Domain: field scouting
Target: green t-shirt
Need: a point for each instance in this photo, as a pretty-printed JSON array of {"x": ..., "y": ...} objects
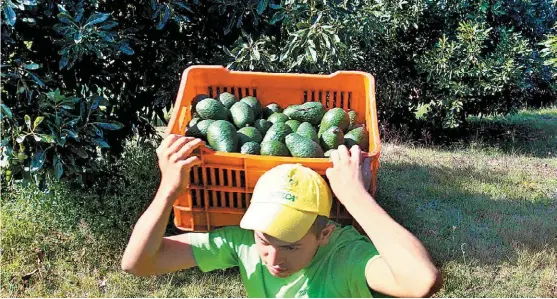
[{"x": 337, "y": 270}]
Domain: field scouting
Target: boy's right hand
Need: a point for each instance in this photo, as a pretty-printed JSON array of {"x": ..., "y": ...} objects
[{"x": 175, "y": 163}]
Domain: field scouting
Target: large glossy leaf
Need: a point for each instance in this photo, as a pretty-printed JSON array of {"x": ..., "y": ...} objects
[
  {"x": 58, "y": 167},
  {"x": 185, "y": 6},
  {"x": 100, "y": 142},
  {"x": 37, "y": 121},
  {"x": 96, "y": 18},
  {"x": 63, "y": 63},
  {"x": 28, "y": 121},
  {"x": 109, "y": 25},
  {"x": 9, "y": 15},
  {"x": 125, "y": 48},
  {"x": 163, "y": 18},
  {"x": 6, "y": 111},
  {"x": 77, "y": 37},
  {"x": 277, "y": 17},
  {"x": 261, "y": 6},
  {"x": 65, "y": 18},
  {"x": 31, "y": 66},
  {"x": 95, "y": 102},
  {"x": 37, "y": 162},
  {"x": 41, "y": 83},
  {"x": 45, "y": 138},
  {"x": 110, "y": 126}
]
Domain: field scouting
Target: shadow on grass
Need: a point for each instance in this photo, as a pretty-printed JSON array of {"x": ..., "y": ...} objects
[
  {"x": 529, "y": 133},
  {"x": 466, "y": 214}
]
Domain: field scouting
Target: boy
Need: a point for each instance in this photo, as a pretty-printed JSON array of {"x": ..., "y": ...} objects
[{"x": 285, "y": 245}]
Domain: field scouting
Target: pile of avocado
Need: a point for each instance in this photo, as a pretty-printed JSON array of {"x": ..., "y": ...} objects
[{"x": 305, "y": 131}]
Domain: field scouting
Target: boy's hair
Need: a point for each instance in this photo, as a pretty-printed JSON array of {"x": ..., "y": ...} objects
[{"x": 318, "y": 225}]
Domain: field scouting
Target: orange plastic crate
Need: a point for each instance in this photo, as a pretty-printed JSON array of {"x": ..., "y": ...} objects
[{"x": 220, "y": 189}]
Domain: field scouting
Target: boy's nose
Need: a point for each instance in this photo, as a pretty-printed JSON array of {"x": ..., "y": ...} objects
[{"x": 273, "y": 257}]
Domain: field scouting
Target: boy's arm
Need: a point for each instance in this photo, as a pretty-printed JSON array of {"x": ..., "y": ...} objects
[
  {"x": 404, "y": 268},
  {"x": 148, "y": 251}
]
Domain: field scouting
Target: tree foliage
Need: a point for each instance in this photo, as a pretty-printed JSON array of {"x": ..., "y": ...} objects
[{"x": 122, "y": 61}]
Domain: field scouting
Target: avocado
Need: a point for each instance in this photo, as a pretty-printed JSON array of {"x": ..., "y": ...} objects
[
  {"x": 306, "y": 129},
  {"x": 311, "y": 112},
  {"x": 227, "y": 99},
  {"x": 242, "y": 114},
  {"x": 357, "y": 136},
  {"x": 251, "y": 148},
  {"x": 222, "y": 136},
  {"x": 277, "y": 117},
  {"x": 277, "y": 132},
  {"x": 270, "y": 109},
  {"x": 211, "y": 109},
  {"x": 293, "y": 124},
  {"x": 196, "y": 100},
  {"x": 303, "y": 147},
  {"x": 263, "y": 125},
  {"x": 199, "y": 130},
  {"x": 274, "y": 148},
  {"x": 254, "y": 104},
  {"x": 247, "y": 134},
  {"x": 352, "y": 116},
  {"x": 332, "y": 138},
  {"x": 334, "y": 117}
]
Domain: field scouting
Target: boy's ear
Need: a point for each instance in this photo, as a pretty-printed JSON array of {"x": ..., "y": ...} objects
[{"x": 325, "y": 234}]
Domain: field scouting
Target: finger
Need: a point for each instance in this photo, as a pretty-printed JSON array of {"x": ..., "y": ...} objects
[
  {"x": 329, "y": 173},
  {"x": 190, "y": 162},
  {"x": 179, "y": 144},
  {"x": 188, "y": 148},
  {"x": 355, "y": 154},
  {"x": 343, "y": 154},
  {"x": 168, "y": 141},
  {"x": 334, "y": 158}
]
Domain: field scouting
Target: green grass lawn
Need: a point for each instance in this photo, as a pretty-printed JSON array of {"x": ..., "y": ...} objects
[{"x": 486, "y": 210}]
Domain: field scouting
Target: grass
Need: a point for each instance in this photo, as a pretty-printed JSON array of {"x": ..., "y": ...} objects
[{"x": 486, "y": 210}]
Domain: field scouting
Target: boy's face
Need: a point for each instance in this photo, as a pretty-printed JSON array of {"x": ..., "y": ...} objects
[{"x": 283, "y": 259}]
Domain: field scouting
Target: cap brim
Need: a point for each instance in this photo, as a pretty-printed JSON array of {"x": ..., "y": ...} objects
[{"x": 278, "y": 221}]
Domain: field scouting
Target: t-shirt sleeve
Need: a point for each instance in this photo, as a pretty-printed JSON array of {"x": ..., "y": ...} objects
[
  {"x": 216, "y": 249},
  {"x": 357, "y": 256}
]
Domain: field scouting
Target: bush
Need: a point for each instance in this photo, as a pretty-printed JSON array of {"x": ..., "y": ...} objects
[{"x": 450, "y": 59}]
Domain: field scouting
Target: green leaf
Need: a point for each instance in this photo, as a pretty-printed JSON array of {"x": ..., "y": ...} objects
[
  {"x": 110, "y": 126},
  {"x": 313, "y": 54},
  {"x": 6, "y": 111},
  {"x": 125, "y": 48},
  {"x": 58, "y": 167},
  {"x": 261, "y": 6},
  {"x": 63, "y": 63},
  {"x": 41, "y": 84},
  {"x": 95, "y": 102},
  {"x": 100, "y": 142},
  {"x": 109, "y": 25},
  {"x": 96, "y": 18},
  {"x": 20, "y": 138},
  {"x": 185, "y": 6},
  {"x": 9, "y": 15},
  {"x": 31, "y": 66},
  {"x": 277, "y": 17},
  {"x": 37, "y": 121},
  {"x": 37, "y": 162},
  {"x": 65, "y": 18},
  {"x": 28, "y": 121},
  {"x": 46, "y": 138},
  {"x": 77, "y": 37}
]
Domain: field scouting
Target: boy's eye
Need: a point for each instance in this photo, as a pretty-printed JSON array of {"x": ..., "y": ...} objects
[{"x": 289, "y": 247}]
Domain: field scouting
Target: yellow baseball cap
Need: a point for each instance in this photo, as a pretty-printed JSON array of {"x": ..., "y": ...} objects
[{"x": 285, "y": 202}]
